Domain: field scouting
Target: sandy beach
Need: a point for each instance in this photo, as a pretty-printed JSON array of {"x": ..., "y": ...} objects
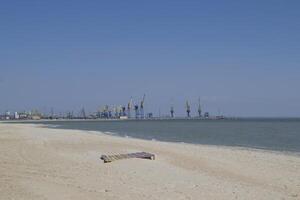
[{"x": 43, "y": 163}]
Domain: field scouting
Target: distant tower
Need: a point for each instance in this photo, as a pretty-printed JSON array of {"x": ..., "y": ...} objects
[
  {"x": 188, "y": 109},
  {"x": 172, "y": 111},
  {"x": 142, "y": 107},
  {"x": 199, "y": 109}
]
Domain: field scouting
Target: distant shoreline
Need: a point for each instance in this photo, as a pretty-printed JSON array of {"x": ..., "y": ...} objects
[{"x": 160, "y": 119}]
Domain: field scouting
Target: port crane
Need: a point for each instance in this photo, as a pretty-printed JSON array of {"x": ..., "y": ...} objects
[
  {"x": 172, "y": 111},
  {"x": 188, "y": 109},
  {"x": 136, "y": 109},
  {"x": 199, "y": 108},
  {"x": 123, "y": 110},
  {"x": 142, "y": 107},
  {"x": 129, "y": 107}
]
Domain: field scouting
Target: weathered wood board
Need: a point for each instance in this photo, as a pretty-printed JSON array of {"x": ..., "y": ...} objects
[{"x": 143, "y": 155}]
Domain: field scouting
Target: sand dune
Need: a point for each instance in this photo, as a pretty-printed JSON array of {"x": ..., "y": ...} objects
[{"x": 42, "y": 163}]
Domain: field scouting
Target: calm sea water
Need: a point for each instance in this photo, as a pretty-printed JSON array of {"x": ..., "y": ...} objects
[{"x": 271, "y": 134}]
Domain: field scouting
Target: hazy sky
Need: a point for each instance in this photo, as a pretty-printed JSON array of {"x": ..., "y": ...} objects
[{"x": 241, "y": 57}]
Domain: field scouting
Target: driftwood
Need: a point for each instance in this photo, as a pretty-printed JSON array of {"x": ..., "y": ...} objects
[{"x": 143, "y": 155}]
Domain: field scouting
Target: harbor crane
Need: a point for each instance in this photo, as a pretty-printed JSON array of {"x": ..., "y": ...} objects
[
  {"x": 188, "y": 109},
  {"x": 142, "y": 107},
  {"x": 129, "y": 107},
  {"x": 199, "y": 108},
  {"x": 172, "y": 111},
  {"x": 123, "y": 110},
  {"x": 136, "y": 109}
]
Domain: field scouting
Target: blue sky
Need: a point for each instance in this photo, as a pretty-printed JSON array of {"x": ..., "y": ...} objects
[{"x": 240, "y": 57}]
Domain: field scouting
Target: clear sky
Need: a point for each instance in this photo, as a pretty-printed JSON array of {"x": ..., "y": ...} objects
[{"x": 241, "y": 57}]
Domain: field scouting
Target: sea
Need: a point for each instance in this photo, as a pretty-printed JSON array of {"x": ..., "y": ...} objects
[{"x": 259, "y": 133}]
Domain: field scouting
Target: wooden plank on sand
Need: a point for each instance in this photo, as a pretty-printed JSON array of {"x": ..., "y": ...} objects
[{"x": 143, "y": 155}]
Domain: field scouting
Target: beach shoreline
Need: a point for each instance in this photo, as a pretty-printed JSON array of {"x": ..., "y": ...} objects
[{"x": 43, "y": 163}]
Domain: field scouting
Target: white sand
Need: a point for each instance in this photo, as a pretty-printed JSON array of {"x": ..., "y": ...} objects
[{"x": 42, "y": 163}]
